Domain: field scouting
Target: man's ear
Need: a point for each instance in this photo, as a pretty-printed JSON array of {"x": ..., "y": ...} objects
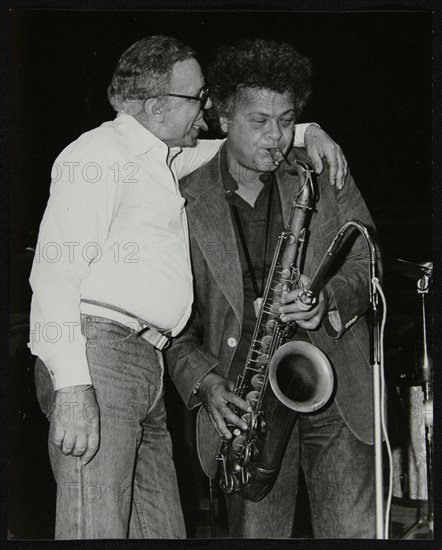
[
  {"x": 155, "y": 109},
  {"x": 224, "y": 124}
]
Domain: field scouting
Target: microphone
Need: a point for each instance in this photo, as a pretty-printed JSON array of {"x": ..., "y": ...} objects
[{"x": 308, "y": 296}]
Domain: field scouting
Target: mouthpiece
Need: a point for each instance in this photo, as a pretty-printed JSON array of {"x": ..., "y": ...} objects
[
  {"x": 277, "y": 155},
  {"x": 290, "y": 167}
]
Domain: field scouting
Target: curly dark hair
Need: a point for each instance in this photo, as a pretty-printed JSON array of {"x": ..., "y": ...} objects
[
  {"x": 259, "y": 64},
  {"x": 145, "y": 68}
]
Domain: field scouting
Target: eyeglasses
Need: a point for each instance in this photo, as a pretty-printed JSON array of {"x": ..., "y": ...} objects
[{"x": 202, "y": 97}]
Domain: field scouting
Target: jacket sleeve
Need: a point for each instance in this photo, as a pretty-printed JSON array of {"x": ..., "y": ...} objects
[
  {"x": 350, "y": 282},
  {"x": 188, "y": 360}
]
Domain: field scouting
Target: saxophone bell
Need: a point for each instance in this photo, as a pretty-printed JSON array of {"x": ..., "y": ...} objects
[{"x": 301, "y": 376}]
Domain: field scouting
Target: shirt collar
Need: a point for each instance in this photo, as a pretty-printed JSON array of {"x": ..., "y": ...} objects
[{"x": 138, "y": 138}]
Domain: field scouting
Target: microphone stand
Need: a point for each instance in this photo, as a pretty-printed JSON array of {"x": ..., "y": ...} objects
[
  {"x": 308, "y": 295},
  {"x": 425, "y": 374},
  {"x": 423, "y": 286},
  {"x": 377, "y": 409},
  {"x": 376, "y": 355}
]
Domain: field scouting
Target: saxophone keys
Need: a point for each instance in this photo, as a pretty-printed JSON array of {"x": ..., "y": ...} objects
[
  {"x": 277, "y": 288},
  {"x": 246, "y": 477},
  {"x": 227, "y": 484},
  {"x": 246, "y": 456},
  {"x": 252, "y": 422},
  {"x": 238, "y": 443},
  {"x": 258, "y": 379},
  {"x": 252, "y": 398},
  {"x": 290, "y": 238},
  {"x": 261, "y": 362},
  {"x": 236, "y": 468},
  {"x": 265, "y": 343}
]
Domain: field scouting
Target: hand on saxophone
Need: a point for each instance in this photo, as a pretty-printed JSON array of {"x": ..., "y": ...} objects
[
  {"x": 306, "y": 317},
  {"x": 216, "y": 393}
]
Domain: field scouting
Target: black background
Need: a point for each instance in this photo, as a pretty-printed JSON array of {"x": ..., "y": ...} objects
[{"x": 372, "y": 94}]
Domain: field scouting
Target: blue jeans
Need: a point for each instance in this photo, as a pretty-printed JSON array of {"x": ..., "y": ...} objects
[
  {"x": 339, "y": 473},
  {"x": 129, "y": 489}
]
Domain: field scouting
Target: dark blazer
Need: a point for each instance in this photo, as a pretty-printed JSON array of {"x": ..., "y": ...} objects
[{"x": 210, "y": 339}]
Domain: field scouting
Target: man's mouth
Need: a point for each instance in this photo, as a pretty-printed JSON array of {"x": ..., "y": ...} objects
[
  {"x": 200, "y": 124},
  {"x": 268, "y": 154}
]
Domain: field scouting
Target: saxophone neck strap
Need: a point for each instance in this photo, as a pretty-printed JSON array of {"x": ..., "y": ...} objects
[{"x": 240, "y": 230}]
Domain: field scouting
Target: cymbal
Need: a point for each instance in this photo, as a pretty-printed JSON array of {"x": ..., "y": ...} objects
[{"x": 409, "y": 269}]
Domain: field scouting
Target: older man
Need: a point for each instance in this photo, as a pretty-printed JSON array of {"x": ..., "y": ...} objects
[
  {"x": 237, "y": 207},
  {"x": 111, "y": 284}
]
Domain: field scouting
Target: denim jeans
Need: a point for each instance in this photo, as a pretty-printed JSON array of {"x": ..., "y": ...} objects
[
  {"x": 129, "y": 489},
  {"x": 339, "y": 473}
]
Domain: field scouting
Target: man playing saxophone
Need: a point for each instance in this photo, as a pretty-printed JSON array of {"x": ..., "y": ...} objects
[{"x": 237, "y": 206}]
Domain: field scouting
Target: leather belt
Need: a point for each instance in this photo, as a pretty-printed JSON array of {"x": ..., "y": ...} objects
[{"x": 149, "y": 333}]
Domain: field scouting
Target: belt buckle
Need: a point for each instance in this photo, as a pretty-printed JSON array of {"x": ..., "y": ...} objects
[
  {"x": 157, "y": 339},
  {"x": 163, "y": 343}
]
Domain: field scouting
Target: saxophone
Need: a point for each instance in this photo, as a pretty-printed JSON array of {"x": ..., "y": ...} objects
[{"x": 281, "y": 378}]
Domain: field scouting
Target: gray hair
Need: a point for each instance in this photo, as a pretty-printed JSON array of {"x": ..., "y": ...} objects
[{"x": 144, "y": 70}]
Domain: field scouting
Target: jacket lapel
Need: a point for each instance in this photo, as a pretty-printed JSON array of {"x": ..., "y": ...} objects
[{"x": 211, "y": 226}]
